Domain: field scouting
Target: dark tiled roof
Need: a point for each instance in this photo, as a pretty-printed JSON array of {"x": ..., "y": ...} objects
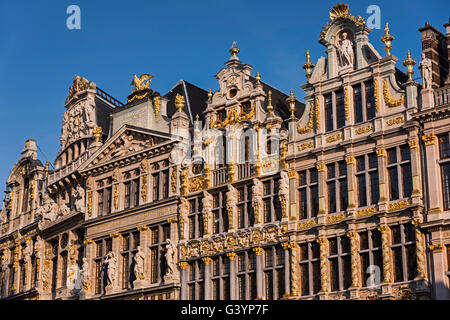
[
  {"x": 279, "y": 103},
  {"x": 194, "y": 96}
]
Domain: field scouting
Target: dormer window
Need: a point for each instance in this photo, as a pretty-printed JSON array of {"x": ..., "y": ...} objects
[{"x": 246, "y": 107}]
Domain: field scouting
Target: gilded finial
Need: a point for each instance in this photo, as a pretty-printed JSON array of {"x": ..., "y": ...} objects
[
  {"x": 409, "y": 63},
  {"x": 234, "y": 49},
  {"x": 258, "y": 77},
  {"x": 210, "y": 95},
  {"x": 291, "y": 100},
  {"x": 270, "y": 107},
  {"x": 387, "y": 39},
  {"x": 47, "y": 165},
  {"x": 179, "y": 102},
  {"x": 308, "y": 66}
]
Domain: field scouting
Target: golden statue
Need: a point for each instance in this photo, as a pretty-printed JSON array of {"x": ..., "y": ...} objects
[{"x": 141, "y": 83}]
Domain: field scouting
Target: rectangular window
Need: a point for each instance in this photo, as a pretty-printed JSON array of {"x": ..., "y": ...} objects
[
  {"x": 370, "y": 100},
  {"x": 100, "y": 202},
  {"x": 127, "y": 186},
  {"x": 328, "y": 112},
  {"x": 136, "y": 192},
  {"x": 165, "y": 177},
  {"x": 357, "y": 102},
  {"x": 108, "y": 200},
  {"x": 155, "y": 178},
  {"x": 340, "y": 109}
]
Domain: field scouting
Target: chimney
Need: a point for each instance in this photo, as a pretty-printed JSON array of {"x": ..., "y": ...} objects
[
  {"x": 434, "y": 45},
  {"x": 30, "y": 149},
  {"x": 447, "y": 34}
]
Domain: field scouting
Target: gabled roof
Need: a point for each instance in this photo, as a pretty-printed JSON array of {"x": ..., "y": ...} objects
[{"x": 143, "y": 139}]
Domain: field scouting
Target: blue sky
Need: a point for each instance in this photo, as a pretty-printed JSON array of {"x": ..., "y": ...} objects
[{"x": 171, "y": 40}]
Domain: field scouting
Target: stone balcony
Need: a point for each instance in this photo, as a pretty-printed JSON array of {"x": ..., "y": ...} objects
[
  {"x": 441, "y": 96},
  {"x": 67, "y": 169}
]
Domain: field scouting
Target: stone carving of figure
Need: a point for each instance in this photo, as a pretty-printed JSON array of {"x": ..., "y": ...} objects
[
  {"x": 346, "y": 51},
  {"x": 28, "y": 251},
  {"x": 79, "y": 199},
  {"x": 231, "y": 203},
  {"x": 63, "y": 210},
  {"x": 126, "y": 146},
  {"x": 49, "y": 209},
  {"x": 170, "y": 256},
  {"x": 139, "y": 259},
  {"x": 426, "y": 68},
  {"x": 111, "y": 267},
  {"x": 38, "y": 246},
  {"x": 84, "y": 273},
  {"x": 257, "y": 189},
  {"x": 284, "y": 184}
]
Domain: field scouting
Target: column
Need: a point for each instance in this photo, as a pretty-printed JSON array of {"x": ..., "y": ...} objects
[
  {"x": 386, "y": 252},
  {"x": 86, "y": 285},
  {"x": 420, "y": 250},
  {"x": 355, "y": 262},
  {"x": 415, "y": 168},
  {"x": 144, "y": 242},
  {"x": 16, "y": 267},
  {"x": 259, "y": 274},
  {"x": 207, "y": 279},
  {"x": 294, "y": 269},
  {"x": 441, "y": 281},
  {"x": 233, "y": 278},
  {"x": 184, "y": 275},
  {"x": 382, "y": 177},
  {"x": 323, "y": 242},
  {"x": 433, "y": 174},
  {"x": 116, "y": 237},
  {"x": 322, "y": 189},
  {"x": 287, "y": 269},
  {"x": 351, "y": 182},
  {"x": 292, "y": 207}
]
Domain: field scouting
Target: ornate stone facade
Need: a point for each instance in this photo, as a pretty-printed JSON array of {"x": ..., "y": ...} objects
[{"x": 244, "y": 192}]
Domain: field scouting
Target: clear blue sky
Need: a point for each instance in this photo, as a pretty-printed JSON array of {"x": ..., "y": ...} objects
[{"x": 171, "y": 40}]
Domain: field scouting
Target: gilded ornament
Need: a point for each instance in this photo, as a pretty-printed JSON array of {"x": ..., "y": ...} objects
[
  {"x": 206, "y": 260},
  {"x": 97, "y": 131},
  {"x": 362, "y": 130},
  {"x": 380, "y": 152},
  {"x": 306, "y": 224},
  {"x": 308, "y": 66},
  {"x": 257, "y": 251},
  {"x": 157, "y": 106},
  {"x": 233, "y": 117},
  {"x": 387, "y": 96},
  {"x": 376, "y": 95},
  {"x": 435, "y": 248},
  {"x": 387, "y": 39},
  {"x": 197, "y": 183},
  {"x": 365, "y": 212},
  {"x": 183, "y": 265},
  {"x": 310, "y": 123},
  {"x": 306, "y": 145},
  {"x": 350, "y": 160},
  {"x": 291, "y": 100},
  {"x": 395, "y": 121},
  {"x": 142, "y": 228},
  {"x": 336, "y": 218},
  {"x": 409, "y": 64},
  {"x": 413, "y": 143},
  {"x": 231, "y": 255},
  {"x": 179, "y": 102},
  {"x": 429, "y": 139},
  {"x": 116, "y": 196},
  {"x": 144, "y": 188},
  {"x": 334, "y": 138},
  {"x": 398, "y": 205}
]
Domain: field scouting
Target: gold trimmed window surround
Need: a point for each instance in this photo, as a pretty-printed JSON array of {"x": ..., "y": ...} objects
[
  {"x": 233, "y": 117},
  {"x": 392, "y": 103}
]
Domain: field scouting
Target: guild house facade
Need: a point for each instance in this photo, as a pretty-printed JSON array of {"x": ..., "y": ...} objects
[{"x": 244, "y": 192}]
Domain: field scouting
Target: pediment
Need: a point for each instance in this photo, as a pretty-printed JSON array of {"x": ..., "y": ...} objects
[{"x": 126, "y": 142}]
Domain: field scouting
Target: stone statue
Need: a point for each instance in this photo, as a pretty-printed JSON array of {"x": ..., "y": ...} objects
[
  {"x": 427, "y": 74},
  {"x": 257, "y": 189},
  {"x": 170, "y": 256},
  {"x": 345, "y": 49},
  {"x": 38, "y": 246},
  {"x": 63, "y": 210},
  {"x": 28, "y": 251},
  {"x": 284, "y": 184},
  {"x": 79, "y": 199},
  {"x": 49, "y": 209},
  {"x": 111, "y": 265},
  {"x": 84, "y": 274},
  {"x": 139, "y": 259}
]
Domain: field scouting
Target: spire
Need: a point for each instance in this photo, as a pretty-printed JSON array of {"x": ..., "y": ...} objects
[
  {"x": 270, "y": 107},
  {"x": 308, "y": 66}
]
